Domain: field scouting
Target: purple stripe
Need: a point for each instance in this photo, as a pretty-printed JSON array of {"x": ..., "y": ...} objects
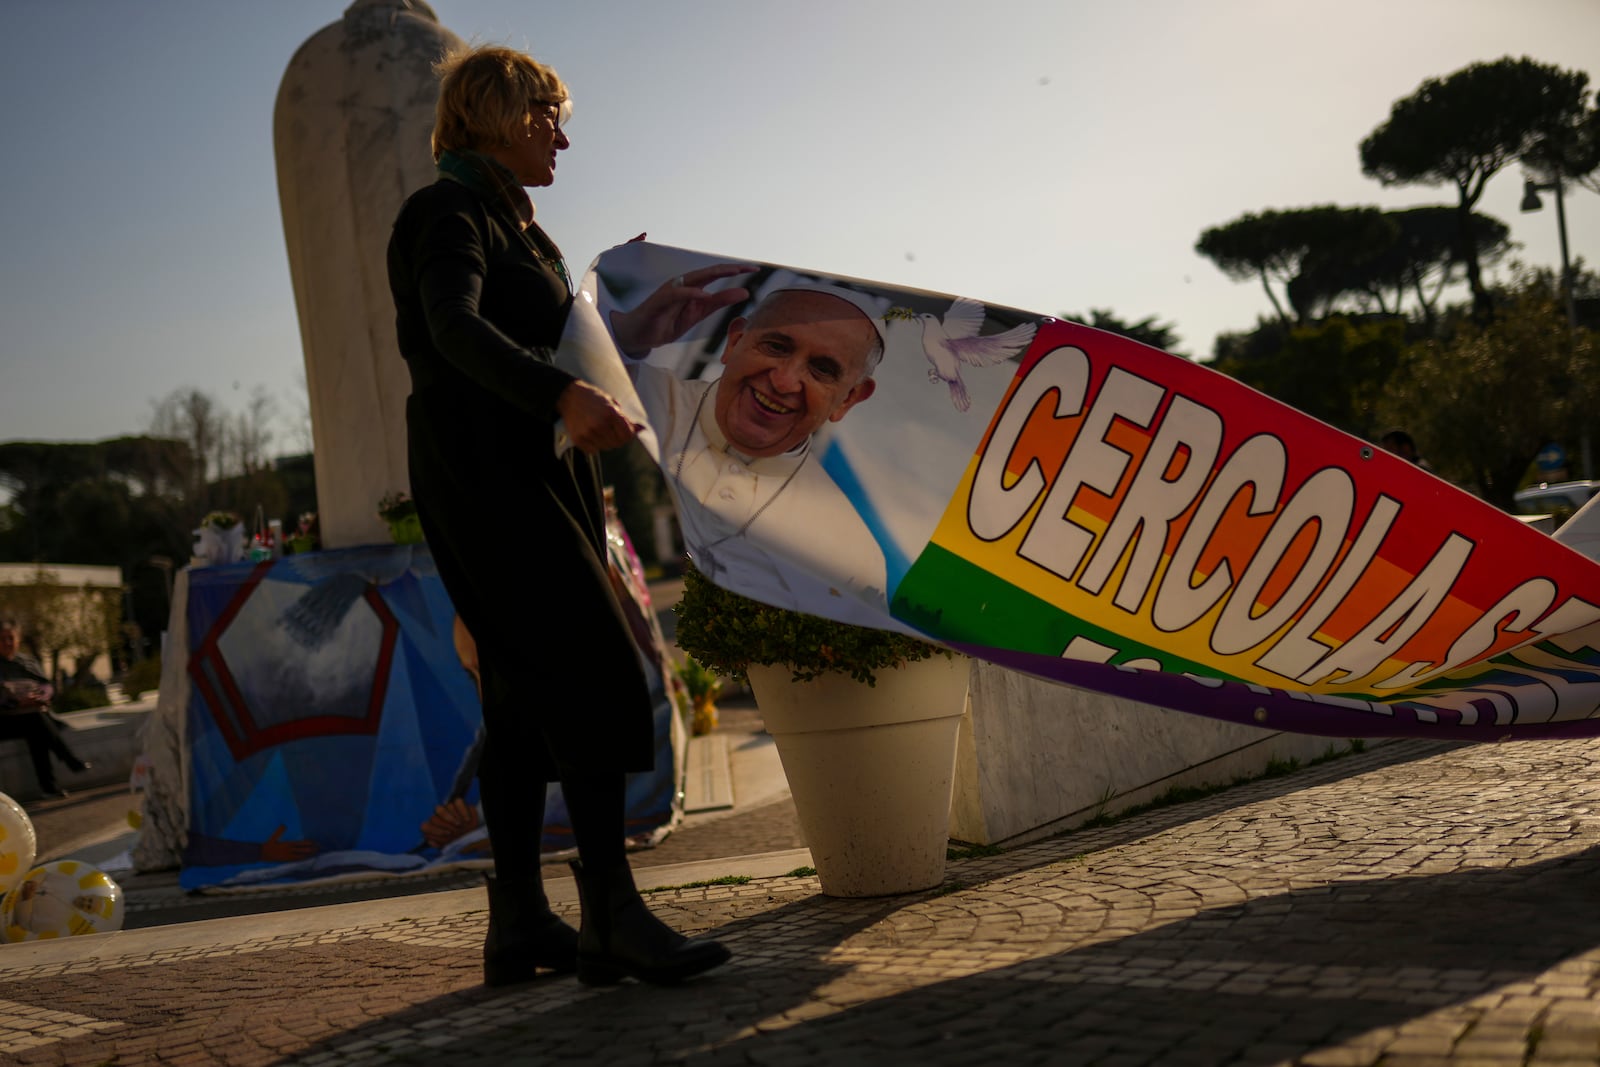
[{"x": 1271, "y": 709}]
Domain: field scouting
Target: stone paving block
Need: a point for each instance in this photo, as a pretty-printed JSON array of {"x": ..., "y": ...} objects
[
  {"x": 1338, "y": 921},
  {"x": 1339, "y": 1057}
]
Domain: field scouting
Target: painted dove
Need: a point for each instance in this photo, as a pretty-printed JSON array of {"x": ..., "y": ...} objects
[{"x": 954, "y": 341}]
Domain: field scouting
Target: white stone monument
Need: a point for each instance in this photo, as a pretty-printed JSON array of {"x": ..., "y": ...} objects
[{"x": 350, "y": 131}]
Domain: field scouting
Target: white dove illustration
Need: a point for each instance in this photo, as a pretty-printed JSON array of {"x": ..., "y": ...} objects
[{"x": 955, "y": 341}]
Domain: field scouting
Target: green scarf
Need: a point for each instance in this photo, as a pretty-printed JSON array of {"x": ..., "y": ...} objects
[{"x": 493, "y": 181}]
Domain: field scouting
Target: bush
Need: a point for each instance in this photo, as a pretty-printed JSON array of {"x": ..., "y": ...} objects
[
  {"x": 142, "y": 677},
  {"x": 727, "y": 633},
  {"x": 79, "y": 697}
]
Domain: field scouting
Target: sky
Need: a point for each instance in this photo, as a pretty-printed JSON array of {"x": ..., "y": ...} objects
[{"x": 1053, "y": 156}]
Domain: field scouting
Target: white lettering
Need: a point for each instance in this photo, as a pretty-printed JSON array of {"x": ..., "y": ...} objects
[
  {"x": 1054, "y": 541},
  {"x": 1327, "y": 498},
  {"x": 1259, "y": 464},
  {"x": 1298, "y": 649},
  {"x": 1513, "y": 613},
  {"x": 1152, "y": 502},
  {"x": 994, "y": 509},
  {"x": 1384, "y": 636}
]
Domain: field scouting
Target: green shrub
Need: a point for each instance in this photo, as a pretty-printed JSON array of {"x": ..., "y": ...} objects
[
  {"x": 142, "y": 677},
  {"x": 727, "y": 633},
  {"x": 79, "y": 697}
]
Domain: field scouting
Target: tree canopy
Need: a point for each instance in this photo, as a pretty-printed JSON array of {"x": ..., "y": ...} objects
[
  {"x": 1464, "y": 128},
  {"x": 58, "y": 620},
  {"x": 1486, "y": 400},
  {"x": 1332, "y": 370},
  {"x": 1323, "y": 255},
  {"x": 132, "y": 501},
  {"x": 1276, "y": 245},
  {"x": 1415, "y": 257},
  {"x": 1569, "y": 152},
  {"x": 1147, "y": 331}
]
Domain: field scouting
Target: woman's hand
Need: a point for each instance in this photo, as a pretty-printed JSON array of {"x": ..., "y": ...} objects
[
  {"x": 28, "y": 694},
  {"x": 675, "y": 308},
  {"x": 594, "y": 421}
]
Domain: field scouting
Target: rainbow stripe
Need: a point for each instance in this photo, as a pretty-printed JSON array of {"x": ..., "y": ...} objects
[{"x": 1133, "y": 508}]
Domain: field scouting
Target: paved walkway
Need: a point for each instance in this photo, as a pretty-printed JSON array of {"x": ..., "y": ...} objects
[{"x": 1416, "y": 904}]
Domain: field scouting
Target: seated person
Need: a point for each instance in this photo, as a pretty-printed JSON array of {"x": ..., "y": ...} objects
[{"x": 24, "y": 711}]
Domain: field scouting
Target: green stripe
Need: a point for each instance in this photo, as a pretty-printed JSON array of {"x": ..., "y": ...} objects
[{"x": 953, "y": 599}]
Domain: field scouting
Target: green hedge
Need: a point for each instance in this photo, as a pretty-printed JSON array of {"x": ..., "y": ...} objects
[{"x": 727, "y": 633}]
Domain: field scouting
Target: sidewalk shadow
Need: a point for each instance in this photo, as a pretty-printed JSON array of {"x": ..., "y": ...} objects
[
  {"x": 778, "y": 965},
  {"x": 1251, "y": 984},
  {"x": 1135, "y": 993}
]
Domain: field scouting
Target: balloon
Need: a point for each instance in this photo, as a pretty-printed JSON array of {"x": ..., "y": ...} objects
[
  {"x": 61, "y": 899},
  {"x": 19, "y": 845}
]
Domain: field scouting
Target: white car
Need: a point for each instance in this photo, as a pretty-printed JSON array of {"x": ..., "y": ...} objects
[{"x": 1560, "y": 499}]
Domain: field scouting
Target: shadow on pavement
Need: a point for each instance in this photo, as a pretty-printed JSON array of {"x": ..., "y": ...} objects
[
  {"x": 1249, "y": 984},
  {"x": 558, "y": 1019}
]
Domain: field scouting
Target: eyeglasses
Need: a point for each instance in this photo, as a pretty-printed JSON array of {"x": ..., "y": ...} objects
[{"x": 563, "y": 111}]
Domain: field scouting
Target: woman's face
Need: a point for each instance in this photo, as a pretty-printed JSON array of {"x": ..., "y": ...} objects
[{"x": 532, "y": 157}]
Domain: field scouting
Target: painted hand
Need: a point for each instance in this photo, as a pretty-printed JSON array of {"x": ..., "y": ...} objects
[{"x": 680, "y": 304}]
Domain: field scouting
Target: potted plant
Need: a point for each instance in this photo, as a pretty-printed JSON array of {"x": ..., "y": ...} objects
[
  {"x": 701, "y": 687},
  {"x": 865, "y": 721},
  {"x": 400, "y": 512}
]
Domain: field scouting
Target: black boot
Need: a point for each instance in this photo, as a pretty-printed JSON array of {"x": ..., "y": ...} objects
[
  {"x": 524, "y": 934},
  {"x": 620, "y": 937}
]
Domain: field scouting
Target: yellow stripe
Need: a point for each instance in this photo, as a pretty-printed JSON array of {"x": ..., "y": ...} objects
[{"x": 1002, "y": 559}]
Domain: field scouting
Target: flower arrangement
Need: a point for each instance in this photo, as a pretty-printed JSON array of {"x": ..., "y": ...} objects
[
  {"x": 219, "y": 540},
  {"x": 396, "y": 506},
  {"x": 400, "y": 512},
  {"x": 306, "y": 536},
  {"x": 727, "y": 633}
]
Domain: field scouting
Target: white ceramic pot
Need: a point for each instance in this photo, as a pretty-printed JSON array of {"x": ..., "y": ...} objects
[{"x": 871, "y": 769}]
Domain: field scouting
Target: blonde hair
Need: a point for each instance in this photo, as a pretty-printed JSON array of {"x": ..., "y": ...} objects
[{"x": 486, "y": 95}]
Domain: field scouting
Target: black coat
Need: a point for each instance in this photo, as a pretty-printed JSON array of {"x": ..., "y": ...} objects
[{"x": 518, "y": 533}]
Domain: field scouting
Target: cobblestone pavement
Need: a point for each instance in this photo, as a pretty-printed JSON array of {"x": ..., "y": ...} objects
[
  {"x": 154, "y": 899},
  {"x": 1417, "y": 904}
]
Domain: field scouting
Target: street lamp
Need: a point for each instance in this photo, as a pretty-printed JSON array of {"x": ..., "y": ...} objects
[{"x": 1531, "y": 202}]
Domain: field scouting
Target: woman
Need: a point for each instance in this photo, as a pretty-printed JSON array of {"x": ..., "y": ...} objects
[{"x": 481, "y": 295}]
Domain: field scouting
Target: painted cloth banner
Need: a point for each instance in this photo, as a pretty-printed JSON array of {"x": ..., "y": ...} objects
[
  {"x": 1067, "y": 502},
  {"x": 333, "y": 732}
]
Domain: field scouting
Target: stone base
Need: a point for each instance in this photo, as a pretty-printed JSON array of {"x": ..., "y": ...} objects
[
  {"x": 108, "y": 738},
  {"x": 1036, "y": 758}
]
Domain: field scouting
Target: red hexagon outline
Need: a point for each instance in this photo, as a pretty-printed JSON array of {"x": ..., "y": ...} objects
[{"x": 255, "y": 739}]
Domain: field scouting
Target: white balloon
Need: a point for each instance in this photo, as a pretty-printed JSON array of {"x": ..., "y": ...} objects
[
  {"x": 62, "y": 898},
  {"x": 19, "y": 845}
]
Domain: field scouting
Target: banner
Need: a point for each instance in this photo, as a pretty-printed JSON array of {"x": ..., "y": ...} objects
[
  {"x": 334, "y": 732},
  {"x": 1070, "y": 503}
]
